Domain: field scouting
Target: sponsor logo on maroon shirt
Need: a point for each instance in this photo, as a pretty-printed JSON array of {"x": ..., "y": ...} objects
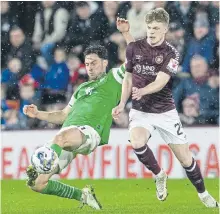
[{"x": 145, "y": 62}]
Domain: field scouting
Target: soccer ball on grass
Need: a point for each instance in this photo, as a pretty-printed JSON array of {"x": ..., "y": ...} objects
[{"x": 44, "y": 160}]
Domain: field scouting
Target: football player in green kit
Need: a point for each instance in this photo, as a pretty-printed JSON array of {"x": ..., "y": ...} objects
[{"x": 86, "y": 121}]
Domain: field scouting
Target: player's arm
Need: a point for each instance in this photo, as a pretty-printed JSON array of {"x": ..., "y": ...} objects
[
  {"x": 126, "y": 92},
  {"x": 168, "y": 69},
  {"x": 57, "y": 117},
  {"x": 161, "y": 80},
  {"x": 126, "y": 83},
  {"x": 123, "y": 26},
  {"x": 126, "y": 88}
]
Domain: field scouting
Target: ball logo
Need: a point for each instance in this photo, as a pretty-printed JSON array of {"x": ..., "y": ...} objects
[
  {"x": 46, "y": 165},
  {"x": 159, "y": 59}
]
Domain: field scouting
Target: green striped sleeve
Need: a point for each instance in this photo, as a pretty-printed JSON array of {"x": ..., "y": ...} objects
[{"x": 119, "y": 73}]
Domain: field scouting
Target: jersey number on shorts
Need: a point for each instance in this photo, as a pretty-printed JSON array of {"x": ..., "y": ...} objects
[{"x": 179, "y": 126}]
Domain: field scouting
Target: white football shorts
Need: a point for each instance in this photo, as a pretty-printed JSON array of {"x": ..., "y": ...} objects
[
  {"x": 167, "y": 124},
  {"x": 92, "y": 142}
]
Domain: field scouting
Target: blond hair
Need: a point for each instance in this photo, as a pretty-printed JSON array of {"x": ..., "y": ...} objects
[{"x": 158, "y": 15}]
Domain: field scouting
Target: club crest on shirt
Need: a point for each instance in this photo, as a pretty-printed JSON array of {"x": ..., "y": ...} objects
[
  {"x": 159, "y": 59},
  {"x": 89, "y": 90}
]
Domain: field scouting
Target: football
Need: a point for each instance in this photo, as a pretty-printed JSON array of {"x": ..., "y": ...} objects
[{"x": 44, "y": 160}]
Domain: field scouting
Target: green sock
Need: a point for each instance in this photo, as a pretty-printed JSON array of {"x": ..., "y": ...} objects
[
  {"x": 62, "y": 190},
  {"x": 56, "y": 148}
]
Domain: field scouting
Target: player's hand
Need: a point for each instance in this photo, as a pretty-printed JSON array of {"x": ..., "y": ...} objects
[
  {"x": 30, "y": 110},
  {"x": 122, "y": 25},
  {"x": 117, "y": 110},
  {"x": 137, "y": 93}
]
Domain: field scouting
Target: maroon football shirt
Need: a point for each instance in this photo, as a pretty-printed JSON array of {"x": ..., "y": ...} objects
[{"x": 144, "y": 62}]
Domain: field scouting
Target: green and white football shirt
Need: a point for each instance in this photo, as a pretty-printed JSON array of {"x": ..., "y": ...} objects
[{"x": 93, "y": 101}]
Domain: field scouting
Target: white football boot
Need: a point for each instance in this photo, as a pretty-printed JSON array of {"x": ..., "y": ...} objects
[
  {"x": 161, "y": 186},
  {"x": 89, "y": 198},
  {"x": 208, "y": 200}
]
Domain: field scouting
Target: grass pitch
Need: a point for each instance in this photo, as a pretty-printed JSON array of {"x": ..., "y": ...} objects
[{"x": 136, "y": 196}]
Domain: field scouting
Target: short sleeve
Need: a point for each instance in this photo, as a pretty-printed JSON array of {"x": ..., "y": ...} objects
[
  {"x": 72, "y": 100},
  {"x": 171, "y": 64},
  {"x": 119, "y": 73},
  {"x": 129, "y": 56}
]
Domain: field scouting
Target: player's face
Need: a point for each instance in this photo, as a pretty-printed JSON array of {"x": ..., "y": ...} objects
[
  {"x": 156, "y": 32},
  {"x": 95, "y": 66}
]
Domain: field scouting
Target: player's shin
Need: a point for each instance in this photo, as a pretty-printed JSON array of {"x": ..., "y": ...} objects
[
  {"x": 146, "y": 156},
  {"x": 62, "y": 190},
  {"x": 194, "y": 174},
  {"x": 57, "y": 149}
]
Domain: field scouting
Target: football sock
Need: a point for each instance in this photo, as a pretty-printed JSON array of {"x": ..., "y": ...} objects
[
  {"x": 56, "y": 148},
  {"x": 194, "y": 174},
  {"x": 146, "y": 156},
  {"x": 62, "y": 190}
]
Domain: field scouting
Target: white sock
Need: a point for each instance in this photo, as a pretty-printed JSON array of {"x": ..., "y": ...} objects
[
  {"x": 202, "y": 195},
  {"x": 160, "y": 173}
]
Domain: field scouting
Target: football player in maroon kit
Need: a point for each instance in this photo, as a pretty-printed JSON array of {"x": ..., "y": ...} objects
[{"x": 151, "y": 64}]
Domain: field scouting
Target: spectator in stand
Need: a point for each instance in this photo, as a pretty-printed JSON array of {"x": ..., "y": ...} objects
[
  {"x": 28, "y": 96},
  {"x": 8, "y": 20},
  {"x": 50, "y": 28},
  {"x": 56, "y": 80},
  {"x": 9, "y": 114},
  {"x": 21, "y": 48},
  {"x": 183, "y": 12},
  {"x": 9, "y": 79},
  {"x": 215, "y": 64},
  {"x": 161, "y": 4},
  {"x": 39, "y": 70},
  {"x": 190, "y": 106},
  {"x": 175, "y": 37},
  {"x": 212, "y": 9},
  {"x": 84, "y": 28},
  {"x": 114, "y": 40},
  {"x": 203, "y": 84},
  {"x": 202, "y": 44},
  {"x": 77, "y": 70},
  {"x": 136, "y": 17},
  {"x": 123, "y": 8}
]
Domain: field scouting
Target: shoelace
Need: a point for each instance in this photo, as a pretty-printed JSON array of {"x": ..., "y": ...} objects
[
  {"x": 82, "y": 201},
  {"x": 207, "y": 199},
  {"x": 159, "y": 184}
]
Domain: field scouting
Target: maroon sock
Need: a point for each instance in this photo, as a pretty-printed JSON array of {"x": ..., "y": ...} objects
[
  {"x": 194, "y": 174},
  {"x": 146, "y": 156}
]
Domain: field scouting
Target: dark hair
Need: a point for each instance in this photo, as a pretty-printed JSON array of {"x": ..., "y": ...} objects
[
  {"x": 159, "y": 15},
  {"x": 81, "y": 4},
  {"x": 96, "y": 49},
  {"x": 15, "y": 27}
]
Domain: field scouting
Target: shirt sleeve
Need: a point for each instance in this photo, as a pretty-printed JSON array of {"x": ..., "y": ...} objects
[
  {"x": 119, "y": 73},
  {"x": 129, "y": 56},
  {"x": 72, "y": 100},
  {"x": 171, "y": 64}
]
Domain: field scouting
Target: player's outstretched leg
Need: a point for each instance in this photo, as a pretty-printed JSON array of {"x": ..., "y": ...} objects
[
  {"x": 41, "y": 183},
  {"x": 139, "y": 136},
  {"x": 193, "y": 172},
  {"x": 68, "y": 138}
]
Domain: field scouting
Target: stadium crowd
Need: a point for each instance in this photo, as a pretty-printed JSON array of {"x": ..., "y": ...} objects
[{"x": 42, "y": 46}]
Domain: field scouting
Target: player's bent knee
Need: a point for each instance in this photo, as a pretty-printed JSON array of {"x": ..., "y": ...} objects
[
  {"x": 186, "y": 162},
  {"x": 139, "y": 139},
  {"x": 137, "y": 143},
  {"x": 59, "y": 139},
  {"x": 40, "y": 183}
]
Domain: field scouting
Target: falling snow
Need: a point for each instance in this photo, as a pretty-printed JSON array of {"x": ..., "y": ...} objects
[{"x": 42, "y": 58}]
